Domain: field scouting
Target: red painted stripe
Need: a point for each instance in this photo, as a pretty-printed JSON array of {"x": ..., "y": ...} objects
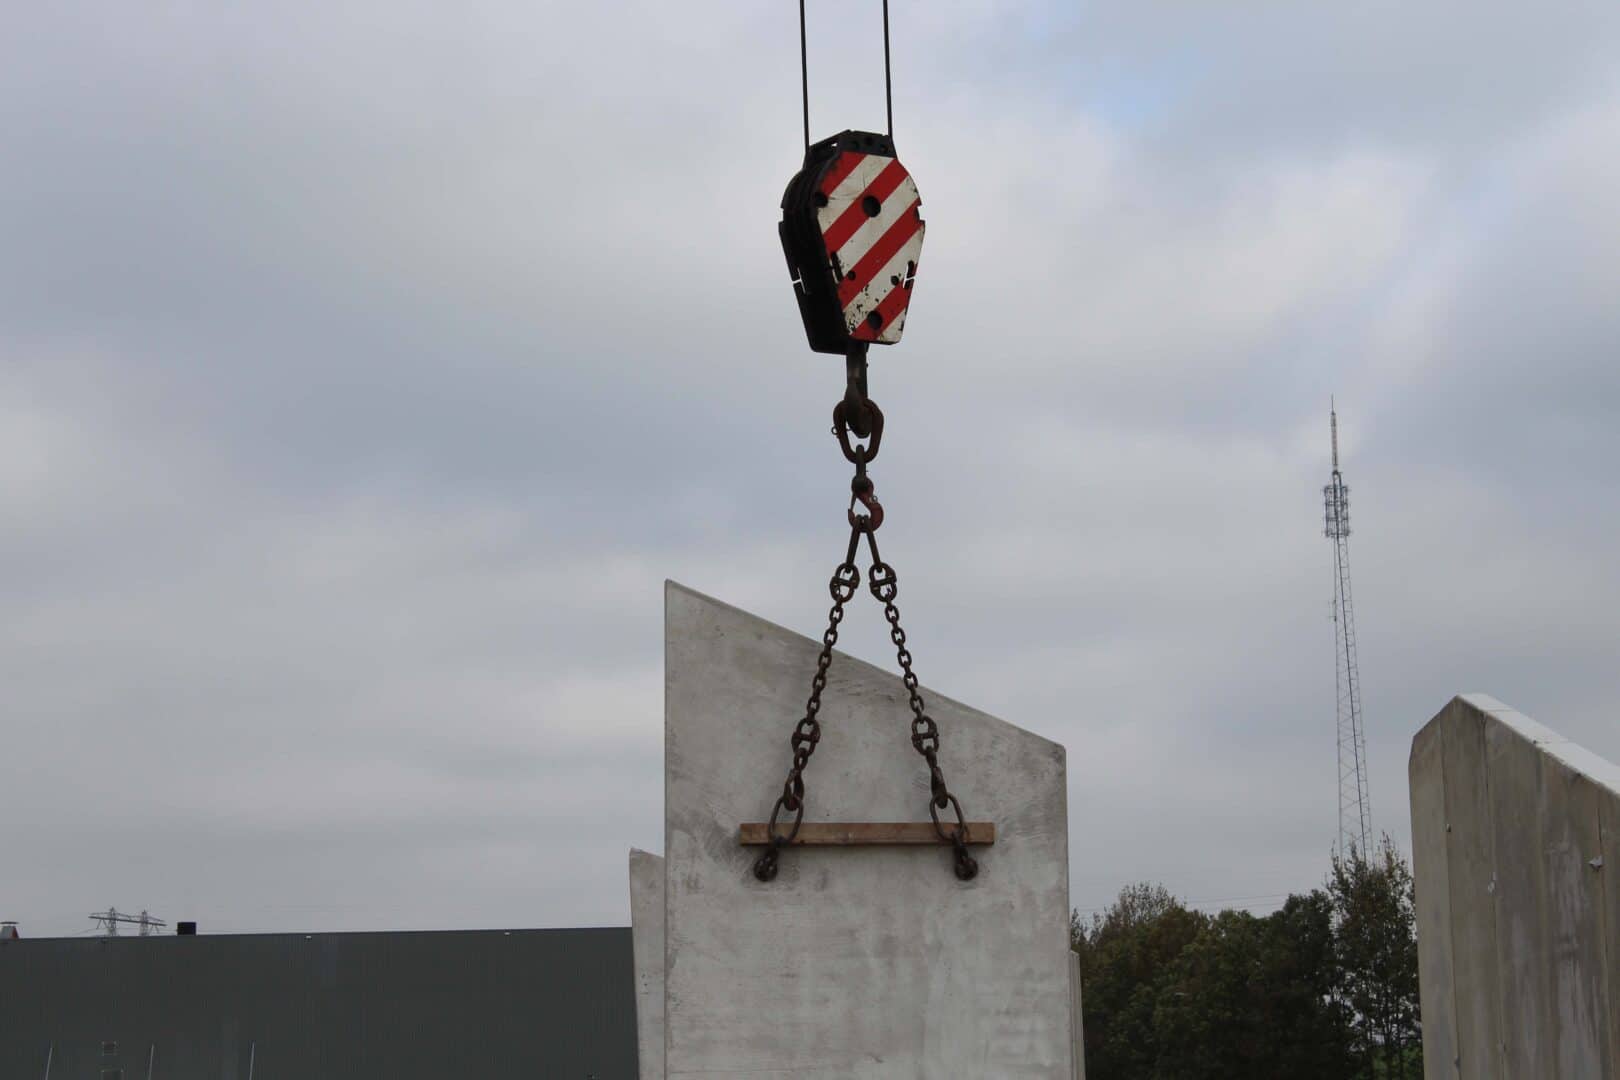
[
  {"x": 890, "y": 309},
  {"x": 879, "y": 254},
  {"x": 853, "y": 217},
  {"x": 846, "y": 164}
]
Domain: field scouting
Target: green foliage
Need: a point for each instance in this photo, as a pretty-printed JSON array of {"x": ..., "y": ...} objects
[
  {"x": 1125, "y": 957},
  {"x": 1324, "y": 987},
  {"x": 1376, "y": 954}
]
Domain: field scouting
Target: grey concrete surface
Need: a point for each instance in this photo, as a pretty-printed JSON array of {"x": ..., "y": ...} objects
[
  {"x": 1515, "y": 833},
  {"x": 854, "y": 962},
  {"x": 647, "y": 935}
]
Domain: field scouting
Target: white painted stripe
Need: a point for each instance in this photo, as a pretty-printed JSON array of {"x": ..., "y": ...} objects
[
  {"x": 859, "y": 179},
  {"x": 880, "y": 286},
  {"x": 850, "y": 191},
  {"x": 891, "y": 333},
  {"x": 898, "y": 202}
]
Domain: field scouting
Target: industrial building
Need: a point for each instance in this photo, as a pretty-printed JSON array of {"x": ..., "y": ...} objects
[{"x": 347, "y": 1006}]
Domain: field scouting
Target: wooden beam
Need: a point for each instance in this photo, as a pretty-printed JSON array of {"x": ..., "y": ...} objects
[{"x": 865, "y": 833}]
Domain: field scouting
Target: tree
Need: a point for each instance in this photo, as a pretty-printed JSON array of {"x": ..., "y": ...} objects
[
  {"x": 1324, "y": 987},
  {"x": 1170, "y": 992},
  {"x": 1375, "y": 950},
  {"x": 1252, "y": 997},
  {"x": 1125, "y": 956}
]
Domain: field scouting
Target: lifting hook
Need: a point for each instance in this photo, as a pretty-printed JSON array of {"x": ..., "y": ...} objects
[{"x": 861, "y": 491}]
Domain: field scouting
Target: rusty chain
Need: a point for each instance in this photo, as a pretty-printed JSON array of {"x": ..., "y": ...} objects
[
  {"x": 859, "y": 415},
  {"x": 807, "y": 732},
  {"x": 884, "y": 585}
]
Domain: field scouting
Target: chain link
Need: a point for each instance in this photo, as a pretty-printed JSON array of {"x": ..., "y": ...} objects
[
  {"x": 883, "y": 583},
  {"x": 807, "y": 732}
]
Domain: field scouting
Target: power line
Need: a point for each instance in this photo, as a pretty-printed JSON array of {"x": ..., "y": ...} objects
[{"x": 110, "y": 920}]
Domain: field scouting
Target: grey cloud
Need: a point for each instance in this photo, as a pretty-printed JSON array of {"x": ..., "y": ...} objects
[{"x": 363, "y": 374}]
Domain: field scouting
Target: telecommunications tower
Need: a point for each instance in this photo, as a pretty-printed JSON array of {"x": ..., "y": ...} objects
[{"x": 1355, "y": 813}]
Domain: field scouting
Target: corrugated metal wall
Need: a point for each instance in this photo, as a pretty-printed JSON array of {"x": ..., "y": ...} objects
[{"x": 390, "y": 1006}]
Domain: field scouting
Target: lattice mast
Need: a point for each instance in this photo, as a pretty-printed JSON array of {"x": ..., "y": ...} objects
[{"x": 1355, "y": 812}]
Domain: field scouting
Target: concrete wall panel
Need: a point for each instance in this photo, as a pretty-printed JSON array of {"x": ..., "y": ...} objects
[
  {"x": 1609, "y": 825},
  {"x": 647, "y": 935},
  {"x": 1076, "y": 1016},
  {"x": 1584, "y": 994},
  {"x": 1523, "y": 943},
  {"x": 1471, "y": 879},
  {"x": 854, "y": 962},
  {"x": 1432, "y": 888},
  {"x": 1518, "y": 816}
]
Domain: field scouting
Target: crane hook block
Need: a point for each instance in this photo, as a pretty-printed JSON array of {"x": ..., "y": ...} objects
[{"x": 852, "y": 230}]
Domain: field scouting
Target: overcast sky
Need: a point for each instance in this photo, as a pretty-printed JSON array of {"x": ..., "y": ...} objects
[{"x": 365, "y": 369}]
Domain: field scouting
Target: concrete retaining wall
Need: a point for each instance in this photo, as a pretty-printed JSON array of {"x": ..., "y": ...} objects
[{"x": 1515, "y": 841}]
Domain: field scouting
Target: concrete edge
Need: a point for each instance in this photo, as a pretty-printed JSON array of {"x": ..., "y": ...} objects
[
  {"x": 1431, "y": 874},
  {"x": 843, "y": 658},
  {"x": 1577, "y": 758},
  {"x": 1426, "y": 734},
  {"x": 648, "y": 945}
]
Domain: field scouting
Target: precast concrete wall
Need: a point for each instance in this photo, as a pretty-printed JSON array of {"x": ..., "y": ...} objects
[
  {"x": 873, "y": 963},
  {"x": 647, "y": 936},
  {"x": 1515, "y": 843}
]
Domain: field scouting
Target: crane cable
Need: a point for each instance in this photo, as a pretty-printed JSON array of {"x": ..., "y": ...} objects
[
  {"x": 855, "y": 417},
  {"x": 804, "y": 75}
]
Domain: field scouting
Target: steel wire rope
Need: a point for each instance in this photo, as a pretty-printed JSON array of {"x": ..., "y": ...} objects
[{"x": 804, "y": 75}]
